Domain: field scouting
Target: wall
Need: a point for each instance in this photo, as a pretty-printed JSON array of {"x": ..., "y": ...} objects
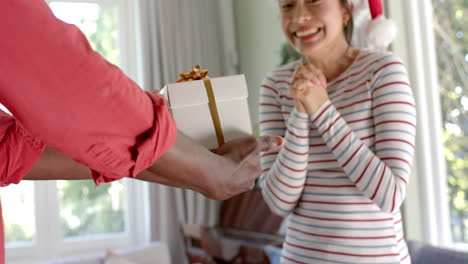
[{"x": 259, "y": 39}]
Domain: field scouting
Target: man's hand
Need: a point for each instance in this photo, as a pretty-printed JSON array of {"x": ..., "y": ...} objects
[
  {"x": 243, "y": 152},
  {"x": 232, "y": 170}
]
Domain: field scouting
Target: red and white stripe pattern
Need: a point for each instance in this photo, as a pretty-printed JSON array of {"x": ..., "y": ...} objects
[{"x": 343, "y": 172}]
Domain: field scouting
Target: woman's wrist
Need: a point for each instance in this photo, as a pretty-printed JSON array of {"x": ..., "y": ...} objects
[
  {"x": 300, "y": 108},
  {"x": 314, "y": 105}
]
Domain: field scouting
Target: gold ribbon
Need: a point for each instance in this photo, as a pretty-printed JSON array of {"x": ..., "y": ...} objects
[{"x": 201, "y": 74}]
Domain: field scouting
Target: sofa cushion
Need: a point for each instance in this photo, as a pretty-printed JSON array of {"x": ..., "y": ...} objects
[
  {"x": 155, "y": 252},
  {"x": 83, "y": 260},
  {"x": 422, "y": 253},
  {"x": 113, "y": 258}
]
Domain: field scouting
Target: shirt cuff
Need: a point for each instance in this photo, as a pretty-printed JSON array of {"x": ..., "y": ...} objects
[
  {"x": 23, "y": 151},
  {"x": 322, "y": 113},
  {"x": 157, "y": 141},
  {"x": 298, "y": 123}
]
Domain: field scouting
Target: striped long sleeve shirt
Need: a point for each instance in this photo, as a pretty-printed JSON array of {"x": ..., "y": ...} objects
[{"x": 342, "y": 173}]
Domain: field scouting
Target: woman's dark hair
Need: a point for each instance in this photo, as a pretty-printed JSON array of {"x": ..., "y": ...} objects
[{"x": 348, "y": 30}]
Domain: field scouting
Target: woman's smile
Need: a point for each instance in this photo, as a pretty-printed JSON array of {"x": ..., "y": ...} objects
[{"x": 307, "y": 35}]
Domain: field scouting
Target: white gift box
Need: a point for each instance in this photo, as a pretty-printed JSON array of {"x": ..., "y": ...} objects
[{"x": 189, "y": 105}]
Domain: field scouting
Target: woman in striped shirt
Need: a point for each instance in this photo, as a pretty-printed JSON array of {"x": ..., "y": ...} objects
[{"x": 348, "y": 118}]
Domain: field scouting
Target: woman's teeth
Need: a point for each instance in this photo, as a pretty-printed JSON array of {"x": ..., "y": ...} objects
[{"x": 308, "y": 32}]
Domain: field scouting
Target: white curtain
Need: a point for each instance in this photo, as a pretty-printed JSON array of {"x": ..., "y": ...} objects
[{"x": 176, "y": 35}]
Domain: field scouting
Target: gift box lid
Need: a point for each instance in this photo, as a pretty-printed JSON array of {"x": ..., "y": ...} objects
[{"x": 189, "y": 93}]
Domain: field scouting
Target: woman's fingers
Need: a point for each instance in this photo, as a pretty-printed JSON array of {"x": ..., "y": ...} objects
[
  {"x": 308, "y": 88},
  {"x": 310, "y": 73},
  {"x": 317, "y": 75},
  {"x": 298, "y": 88}
]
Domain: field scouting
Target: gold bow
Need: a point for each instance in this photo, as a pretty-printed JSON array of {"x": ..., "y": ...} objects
[
  {"x": 195, "y": 74},
  {"x": 201, "y": 74}
]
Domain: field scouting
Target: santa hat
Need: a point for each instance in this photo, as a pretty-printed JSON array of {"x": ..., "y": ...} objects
[{"x": 380, "y": 31}]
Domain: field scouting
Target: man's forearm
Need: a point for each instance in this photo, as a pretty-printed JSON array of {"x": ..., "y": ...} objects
[
  {"x": 190, "y": 165},
  {"x": 185, "y": 165},
  {"x": 53, "y": 165},
  {"x": 232, "y": 170}
]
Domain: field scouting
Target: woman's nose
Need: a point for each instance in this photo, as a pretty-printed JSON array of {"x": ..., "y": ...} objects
[{"x": 300, "y": 14}]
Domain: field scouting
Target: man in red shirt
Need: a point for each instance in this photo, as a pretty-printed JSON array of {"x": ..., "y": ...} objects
[{"x": 65, "y": 96}]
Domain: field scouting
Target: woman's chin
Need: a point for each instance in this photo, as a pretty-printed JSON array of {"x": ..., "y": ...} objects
[{"x": 310, "y": 50}]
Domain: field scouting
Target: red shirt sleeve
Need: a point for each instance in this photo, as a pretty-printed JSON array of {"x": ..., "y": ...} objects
[
  {"x": 18, "y": 153},
  {"x": 2, "y": 238},
  {"x": 18, "y": 150},
  {"x": 67, "y": 95}
]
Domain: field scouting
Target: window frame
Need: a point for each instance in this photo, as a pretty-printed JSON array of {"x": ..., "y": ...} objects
[
  {"x": 426, "y": 210},
  {"x": 48, "y": 244}
]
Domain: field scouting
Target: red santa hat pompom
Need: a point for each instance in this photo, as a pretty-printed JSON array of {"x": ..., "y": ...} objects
[{"x": 380, "y": 31}]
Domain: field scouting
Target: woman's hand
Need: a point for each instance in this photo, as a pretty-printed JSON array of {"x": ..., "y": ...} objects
[
  {"x": 299, "y": 106},
  {"x": 309, "y": 89}
]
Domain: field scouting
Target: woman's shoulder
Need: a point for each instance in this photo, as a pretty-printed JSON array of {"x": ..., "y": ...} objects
[
  {"x": 373, "y": 63},
  {"x": 382, "y": 64},
  {"x": 379, "y": 57}
]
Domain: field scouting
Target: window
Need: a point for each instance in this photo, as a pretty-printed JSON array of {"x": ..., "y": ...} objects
[
  {"x": 433, "y": 42},
  {"x": 49, "y": 220},
  {"x": 450, "y": 23},
  {"x": 18, "y": 211}
]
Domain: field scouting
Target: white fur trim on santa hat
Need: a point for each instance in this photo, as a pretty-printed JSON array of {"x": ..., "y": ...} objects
[
  {"x": 361, "y": 14},
  {"x": 359, "y": 7},
  {"x": 359, "y": 4},
  {"x": 380, "y": 32}
]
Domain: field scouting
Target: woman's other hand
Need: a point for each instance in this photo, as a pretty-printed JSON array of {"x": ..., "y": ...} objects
[{"x": 309, "y": 89}]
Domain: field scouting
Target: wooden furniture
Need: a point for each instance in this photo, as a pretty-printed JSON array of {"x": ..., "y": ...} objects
[{"x": 246, "y": 225}]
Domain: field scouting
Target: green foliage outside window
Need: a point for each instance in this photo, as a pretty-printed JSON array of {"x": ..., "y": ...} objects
[
  {"x": 16, "y": 233},
  {"x": 450, "y": 27},
  {"x": 88, "y": 210},
  {"x": 103, "y": 39}
]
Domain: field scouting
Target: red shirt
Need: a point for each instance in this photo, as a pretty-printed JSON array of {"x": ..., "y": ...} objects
[
  {"x": 64, "y": 94},
  {"x": 18, "y": 153},
  {"x": 72, "y": 99}
]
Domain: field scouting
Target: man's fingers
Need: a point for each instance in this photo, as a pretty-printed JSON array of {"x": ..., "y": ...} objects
[
  {"x": 269, "y": 143},
  {"x": 156, "y": 91}
]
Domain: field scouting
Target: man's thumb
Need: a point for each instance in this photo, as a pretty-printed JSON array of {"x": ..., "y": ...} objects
[{"x": 269, "y": 143}]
